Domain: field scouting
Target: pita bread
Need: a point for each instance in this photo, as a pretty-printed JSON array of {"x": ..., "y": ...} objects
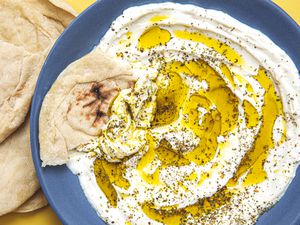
[
  {"x": 27, "y": 31},
  {"x": 18, "y": 73},
  {"x": 33, "y": 24},
  {"x": 64, "y": 5},
  {"x": 76, "y": 108},
  {"x": 58, "y": 15},
  {"x": 28, "y": 28},
  {"x": 36, "y": 201},
  {"x": 18, "y": 181}
]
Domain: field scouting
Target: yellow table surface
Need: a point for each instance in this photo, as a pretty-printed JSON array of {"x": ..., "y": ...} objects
[{"x": 46, "y": 216}]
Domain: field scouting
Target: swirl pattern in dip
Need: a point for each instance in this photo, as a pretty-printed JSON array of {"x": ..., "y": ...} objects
[{"x": 208, "y": 135}]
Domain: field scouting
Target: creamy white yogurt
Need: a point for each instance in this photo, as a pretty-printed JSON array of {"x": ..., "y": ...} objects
[{"x": 256, "y": 50}]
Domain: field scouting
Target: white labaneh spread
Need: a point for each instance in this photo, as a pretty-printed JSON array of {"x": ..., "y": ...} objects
[{"x": 210, "y": 132}]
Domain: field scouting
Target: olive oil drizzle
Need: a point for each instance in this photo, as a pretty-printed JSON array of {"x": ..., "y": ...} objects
[
  {"x": 152, "y": 179},
  {"x": 104, "y": 183},
  {"x": 254, "y": 160},
  {"x": 158, "y": 18},
  {"x": 220, "y": 118},
  {"x": 109, "y": 174},
  {"x": 251, "y": 115},
  {"x": 165, "y": 154},
  {"x": 214, "y": 123},
  {"x": 169, "y": 99},
  {"x": 157, "y": 36},
  {"x": 208, "y": 130},
  {"x": 153, "y": 37},
  {"x": 220, "y": 47}
]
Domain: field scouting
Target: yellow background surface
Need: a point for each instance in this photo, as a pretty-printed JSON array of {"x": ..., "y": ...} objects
[{"x": 46, "y": 216}]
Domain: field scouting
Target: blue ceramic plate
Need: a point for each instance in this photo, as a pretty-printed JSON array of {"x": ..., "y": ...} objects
[{"x": 59, "y": 184}]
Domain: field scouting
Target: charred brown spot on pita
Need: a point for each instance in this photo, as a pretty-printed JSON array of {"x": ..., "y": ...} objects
[
  {"x": 90, "y": 103},
  {"x": 99, "y": 115},
  {"x": 102, "y": 96},
  {"x": 69, "y": 108},
  {"x": 96, "y": 100},
  {"x": 88, "y": 117},
  {"x": 82, "y": 95},
  {"x": 96, "y": 90}
]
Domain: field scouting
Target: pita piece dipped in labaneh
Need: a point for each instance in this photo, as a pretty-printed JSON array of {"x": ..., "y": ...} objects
[
  {"x": 36, "y": 201},
  {"x": 28, "y": 28},
  {"x": 76, "y": 108}
]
